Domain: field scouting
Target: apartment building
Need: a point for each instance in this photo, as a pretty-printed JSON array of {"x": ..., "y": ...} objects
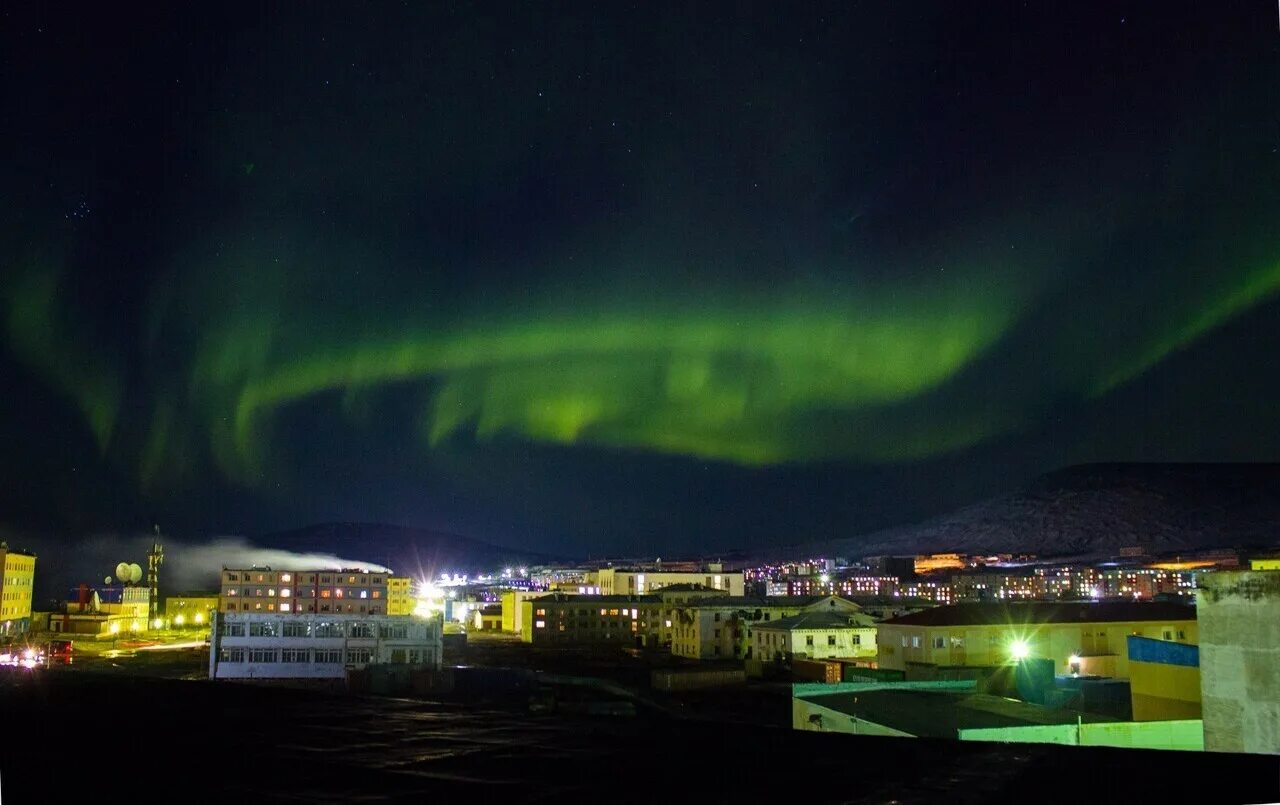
[
  {"x": 722, "y": 628},
  {"x": 17, "y": 580},
  {"x": 587, "y": 619},
  {"x": 351, "y": 591},
  {"x": 251, "y": 645},
  {"x": 816, "y": 635},
  {"x": 623, "y": 581}
]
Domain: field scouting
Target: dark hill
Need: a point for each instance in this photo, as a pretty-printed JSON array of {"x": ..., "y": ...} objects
[{"x": 1096, "y": 509}]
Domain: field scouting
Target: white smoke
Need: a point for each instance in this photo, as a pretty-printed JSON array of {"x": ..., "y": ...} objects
[
  {"x": 193, "y": 563},
  {"x": 188, "y": 566}
]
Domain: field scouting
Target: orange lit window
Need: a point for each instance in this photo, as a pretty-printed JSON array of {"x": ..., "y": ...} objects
[
  {"x": 324, "y": 593},
  {"x": 541, "y": 612},
  {"x": 377, "y": 593}
]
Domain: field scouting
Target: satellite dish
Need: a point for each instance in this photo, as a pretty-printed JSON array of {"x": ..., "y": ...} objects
[
  {"x": 122, "y": 571},
  {"x": 107, "y": 581},
  {"x": 135, "y": 572}
]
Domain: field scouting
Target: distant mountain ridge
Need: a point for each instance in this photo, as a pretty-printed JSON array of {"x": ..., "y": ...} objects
[
  {"x": 403, "y": 549},
  {"x": 1097, "y": 509}
]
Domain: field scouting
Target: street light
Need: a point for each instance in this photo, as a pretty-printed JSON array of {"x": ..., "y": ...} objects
[{"x": 1019, "y": 650}]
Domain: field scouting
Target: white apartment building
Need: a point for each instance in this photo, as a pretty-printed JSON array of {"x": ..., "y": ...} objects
[{"x": 314, "y": 646}]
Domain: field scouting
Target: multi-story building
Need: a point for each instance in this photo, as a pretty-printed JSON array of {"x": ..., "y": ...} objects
[
  {"x": 190, "y": 609},
  {"x": 400, "y": 599},
  {"x": 587, "y": 619},
  {"x": 618, "y": 581},
  {"x": 846, "y": 587},
  {"x": 722, "y": 628},
  {"x": 816, "y": 635},
  {"x": 1086, "y": 637},
  {"x": 351, "y": 591},
  {"x": 17, "y": 580},
  {"x": 250, "y": 645}
]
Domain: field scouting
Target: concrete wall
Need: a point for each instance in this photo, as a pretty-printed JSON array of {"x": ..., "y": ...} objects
[
  {"x": 1185, "y": 735},
  {"x": 1239, "y": 614}
]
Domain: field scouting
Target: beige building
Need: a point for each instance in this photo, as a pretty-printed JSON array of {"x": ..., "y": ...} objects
[
  {"x": 722, "y": 628},
  {"x": 620, "y": 581},
  {"x": 1091, "y": 637},
  {"x": 816, "y": 635},
  {"x": 263, "y": 590}
]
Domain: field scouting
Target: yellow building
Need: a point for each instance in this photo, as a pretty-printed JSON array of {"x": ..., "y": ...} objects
[
  {"x": 1269, "y": 563},
  {"x": 1087, "y": 637},
  {"x": 190, "y": 609},
  {"x": 400, "y": 595},
  {"x": 1164, "y": 679},
  {"x": 16, "y": 583}
]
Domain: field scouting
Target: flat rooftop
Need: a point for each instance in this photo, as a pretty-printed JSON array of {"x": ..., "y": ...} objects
[{"x": 939, "y": 714}]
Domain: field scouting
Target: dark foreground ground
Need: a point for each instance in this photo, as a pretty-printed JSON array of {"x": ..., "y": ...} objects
[{"x": 104, "y": 737}]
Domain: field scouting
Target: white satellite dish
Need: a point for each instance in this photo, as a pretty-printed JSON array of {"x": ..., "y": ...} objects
[
  {"x": 135, "y": 572},
  {"x": 122, "y": 572}
]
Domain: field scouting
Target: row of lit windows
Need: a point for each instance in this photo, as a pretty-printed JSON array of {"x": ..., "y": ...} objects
[
  {"x": 295, "y": 655},
  {"x": 321, "y": 629},
  {"x": 285, "y": 606},
  {"x": 285, "y": 592},
  {"x": 307, "y": 578}
]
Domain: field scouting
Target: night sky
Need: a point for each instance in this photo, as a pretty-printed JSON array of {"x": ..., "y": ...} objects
[{"x": 653, "y": 279}]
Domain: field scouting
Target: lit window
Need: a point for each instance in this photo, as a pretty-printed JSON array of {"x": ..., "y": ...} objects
[
  {"x": 284, "y": 593},
  {"x": 540, "y": 624},
  {"x": 284, "y": 607},
  {"x": 541, "y": 612},
  {"x": 337, "y": 593},
  {"x": 286, "y": 577}
]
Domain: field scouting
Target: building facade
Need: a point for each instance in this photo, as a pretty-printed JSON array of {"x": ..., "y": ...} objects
[
  {"x": 586, "y": 619},
  {"x": 190, "y": 609},
  {"x": 263, "y": 590},
  {"x": 400, "y": 600},
  {"x": 1164, "y": 679},
  {"x": 318, "y": 646},
  {"x": 1089, "y": 638},
  {"x": 816, "y": 635},
  {"x": 619, "y": 581},
  {"x": 17, "y": 580},
  {"x": 723, "y": 628}
]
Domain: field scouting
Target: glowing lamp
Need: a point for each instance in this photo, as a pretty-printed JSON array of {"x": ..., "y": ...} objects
[{"x": 1019, "y": 650}]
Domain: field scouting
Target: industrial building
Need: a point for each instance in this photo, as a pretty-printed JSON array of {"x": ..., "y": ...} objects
[
  {"x": 1240, "y": 660},
  {"x": 17, "y": 580},
  {"x": 315, "y": 646},
  {"x": 816, "y": 634},
  {"x": 1088, "y": 638},
  {"x": 105, "y": 611},
  {"x": 351, "y": 591}
]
